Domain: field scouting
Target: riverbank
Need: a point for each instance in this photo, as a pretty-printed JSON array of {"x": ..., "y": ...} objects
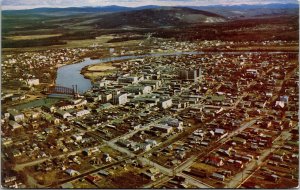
[
  {"x": 77, "y": 74},
  {"x": 95, "y": 71},
  {"x": 101, "y": 67}
]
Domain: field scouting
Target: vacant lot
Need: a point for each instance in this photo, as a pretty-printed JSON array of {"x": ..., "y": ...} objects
[
  {"x": 202, "y": 166},
  {"x": 32, "y": 37},
  {"x": 129, "y": 179},
  {"x": 101, "y": 67}
]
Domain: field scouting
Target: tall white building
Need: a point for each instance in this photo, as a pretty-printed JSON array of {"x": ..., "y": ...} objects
[{"x": 119, "y": 99}]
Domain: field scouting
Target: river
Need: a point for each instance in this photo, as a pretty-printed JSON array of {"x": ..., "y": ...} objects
[{"x": 69, "y": 75}]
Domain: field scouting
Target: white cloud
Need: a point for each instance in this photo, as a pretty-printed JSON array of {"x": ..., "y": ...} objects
[{"x": 26, "y": 4}]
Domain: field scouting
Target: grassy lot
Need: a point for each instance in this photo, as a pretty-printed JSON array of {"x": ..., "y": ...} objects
[
  {"x": 83, "y": 184},
  {"x": 101, "y": 67},
  {"x": 268, "y": 48},
  {"x": 95, "y": 75},
  {"x": 113, "y": 153},
  {"x": 205, "y": 167},
  {"x": 100, "y": 40},
  {"x": 32, "y": 37},
  {"x": 37, "y": 103},
  {"x": 129, "y": 179}
]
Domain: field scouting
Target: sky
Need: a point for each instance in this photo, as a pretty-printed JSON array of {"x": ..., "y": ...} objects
[{"x": 29, "y": 4}]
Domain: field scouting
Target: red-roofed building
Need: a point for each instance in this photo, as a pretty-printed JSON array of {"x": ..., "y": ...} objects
[
  {"x": 215, "y": 161},
  {"x": 92, "y": 179}
]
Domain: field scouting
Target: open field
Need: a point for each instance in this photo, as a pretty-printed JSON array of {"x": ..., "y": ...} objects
[
  {"x": 95, "y": 75},
  {"x": 101, "y": 67},
  {"x": 202, "y": 166},
  {"x": 83, "y": 184},
  {"x": 85, "y": 33},
  {"x": 99, "y": 70},
  {"x": 32, "y": 37},
  {"x": 101, "y": 41}
]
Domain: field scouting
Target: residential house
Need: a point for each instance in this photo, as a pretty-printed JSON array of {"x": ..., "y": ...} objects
[
  {"x": 103, "y": 172},
  {"x": 92, "y": 178},
  {"x": 81, "y": 113},
  {"x": 63, "y": 114},
  {"x": 32, "y": 82},
  {"x": 180, "y": 154},
  {"x": 106, "y": 157},
  {"x": 86, "y": 152},
  {"x": 9, "y": 179},
  {"x": 218, "y": 176},
  {"x": 239, "y": 140},
  {"x": 77, "y": 137},
  {"x": 138, "y": 89},
  {"x": 6, "y": 141},
  {"x": 16, "y": 153},
  {"x": 153, "y": 171},
  {"x": 145, "y": 146},
  {"x": 153, "y": 83},
  {"x": 14, "y": 125},
  {"x": 128, "y": 79},
  {"x": 148, "y": 175},
  {"x": 67, "y": 185},
  {"x": 279, "y": 104},
  {"x": 164, "y": 128},
  {"x": 49, "y": 108},
  {"x": 72, "y": 172},
  {"x": 173, "y": 122},
  {"x": 151, "y": 142},
  {"x": 16, "y": 116},
  {"x": 215, "y": 161}
]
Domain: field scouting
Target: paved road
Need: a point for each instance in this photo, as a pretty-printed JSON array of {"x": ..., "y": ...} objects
[
  {"x": 192, "y": 159},
  {"x": 254, "y": 165},
  {"x": 19, "y": 167},
  {"x": 189, "y": 162},
  {"x": 162, "y": 169},
  {"x": 194, "y": 181},
  {"x": 33, "y": 183},
  {"x": 89, "y": 172},
  {"x": 243, "y": 127},
  {"x": 120, "y": 149},
  {"x": 222, "y": 141},
  {"x": 131, "y": 133},
  {"x": 202, "y": 154},
  {"x": 112, "y": 142},
  {"x": 185, "y": 164},
  {"x": 157, "y": 182}
]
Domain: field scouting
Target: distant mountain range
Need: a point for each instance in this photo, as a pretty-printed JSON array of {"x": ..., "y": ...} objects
[
  {"x": 243, "y": 10},
  {"x": 112, "y": 17},
  {"x": 75, "y": 10},
  {"x": 248, "y": 11},
  {"x": 75, "y": 23},
  {"x": 156, "y": 17}
]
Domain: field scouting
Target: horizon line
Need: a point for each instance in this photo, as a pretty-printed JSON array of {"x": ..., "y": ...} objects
[{"x": 4, "y": 8}]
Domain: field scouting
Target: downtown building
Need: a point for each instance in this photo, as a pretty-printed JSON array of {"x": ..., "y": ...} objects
[{"x": 190, "y": 74}]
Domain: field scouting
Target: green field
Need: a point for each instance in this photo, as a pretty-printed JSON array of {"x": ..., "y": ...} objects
[
  {"x": 32, "y": 37},
  {"x": 37, "y": 103},
  {"x": 72, "y": 28}
]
